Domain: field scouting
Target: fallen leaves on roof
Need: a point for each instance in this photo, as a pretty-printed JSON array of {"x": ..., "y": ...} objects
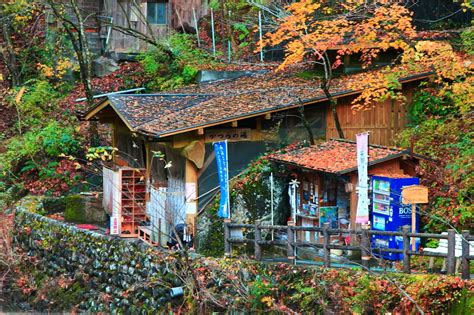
[
  {"x": 199, "y": 105},
  {"x": 335, "y": 156}
]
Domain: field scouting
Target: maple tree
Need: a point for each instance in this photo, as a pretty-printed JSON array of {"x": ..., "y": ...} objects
[{"x": 314, "y": 28}]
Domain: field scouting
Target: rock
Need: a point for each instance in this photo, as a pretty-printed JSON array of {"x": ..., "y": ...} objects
[
  {"x": 84, "y": 209},
  {"x": 103, "y": 66},
  {"x": 96, "y": 264}
]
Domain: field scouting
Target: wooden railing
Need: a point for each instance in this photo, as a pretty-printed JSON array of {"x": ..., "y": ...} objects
[{"x": 364, "y": 245}]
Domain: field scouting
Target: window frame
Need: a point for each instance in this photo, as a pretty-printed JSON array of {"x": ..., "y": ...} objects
[{"x": 156, "y": 4}]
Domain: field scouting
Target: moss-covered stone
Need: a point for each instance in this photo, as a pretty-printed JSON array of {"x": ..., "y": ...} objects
[
  {"x": 83, "y": 209},
  {"x": 75, "y": 209}
]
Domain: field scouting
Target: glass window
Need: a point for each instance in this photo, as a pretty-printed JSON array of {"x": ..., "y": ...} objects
[{"x": 156, "y": 12}]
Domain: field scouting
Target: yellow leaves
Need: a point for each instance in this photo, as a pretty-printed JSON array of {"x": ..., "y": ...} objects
[
  {"x": 462, "y": 93},
  {"x": 19, "y": 96},
  {"x": 267, "y": 300},
  {"x": 59, "y": 70},
  {"x": 313, "y": 27}
]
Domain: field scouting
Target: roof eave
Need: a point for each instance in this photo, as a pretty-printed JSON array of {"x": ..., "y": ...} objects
[
  {"x": 271, "y": 110},
  {"x": 100, "y": 106}
]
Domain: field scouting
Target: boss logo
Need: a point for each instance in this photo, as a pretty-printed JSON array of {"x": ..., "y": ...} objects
[{"x": 405, "y": 210}]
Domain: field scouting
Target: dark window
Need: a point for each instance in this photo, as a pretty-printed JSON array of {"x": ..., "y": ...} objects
[{"x": 157, "y": 12}]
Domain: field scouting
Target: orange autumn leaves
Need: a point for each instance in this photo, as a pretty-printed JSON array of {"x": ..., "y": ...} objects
[{"x": 312, "y": 28}]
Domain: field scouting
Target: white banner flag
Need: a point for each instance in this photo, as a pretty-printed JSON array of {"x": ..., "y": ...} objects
[{"x": 362, "y": 162}]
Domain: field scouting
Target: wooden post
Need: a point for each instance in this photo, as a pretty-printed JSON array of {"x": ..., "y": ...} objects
[
  {"x": 197, "y": 28},
  {"x": 451, "y": 259},
  {"x": 406, "y": 249},
  {"x": 466, "y": 273},
  {"x": 326, "y": 250},
  {"x": 213, "y": 34},
  {"x": 159, "y": 232},
  {"x": 227, "y": 246},
  {"x": 257, "y": 239},
  {"x": 365, "y": 246},
  {"x": 291, "y": 237}
]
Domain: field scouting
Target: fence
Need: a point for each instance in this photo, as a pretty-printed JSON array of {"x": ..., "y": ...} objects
[{"x": 364, "y": 245}]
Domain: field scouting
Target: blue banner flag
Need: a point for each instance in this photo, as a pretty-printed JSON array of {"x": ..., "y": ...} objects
[{"x": 220, "y": 148}]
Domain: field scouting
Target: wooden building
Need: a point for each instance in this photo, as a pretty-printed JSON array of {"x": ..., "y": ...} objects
[
  {"x": 154, "y": 19},
  {"x": 251, "y": 112},
  {"x": 327, "y": 176}
]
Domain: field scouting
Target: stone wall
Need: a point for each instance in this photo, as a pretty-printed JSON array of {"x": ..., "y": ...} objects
[
  {"x": 66, "y": 269},
  {"x": 108, "y": 273}
]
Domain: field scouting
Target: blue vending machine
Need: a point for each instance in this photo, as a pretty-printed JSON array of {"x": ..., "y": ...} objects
[{"x": 388, "y": 212}]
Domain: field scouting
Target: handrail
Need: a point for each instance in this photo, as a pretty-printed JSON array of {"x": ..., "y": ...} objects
[{"x": 364, "y": 246}]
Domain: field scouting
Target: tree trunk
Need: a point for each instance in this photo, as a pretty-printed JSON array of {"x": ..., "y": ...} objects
[
  {"x": 9, "y": 56},
  {"x": 333, "y": 104},
  {"x": 86, "y": 68},
  {"x": 306, "y": 125}
]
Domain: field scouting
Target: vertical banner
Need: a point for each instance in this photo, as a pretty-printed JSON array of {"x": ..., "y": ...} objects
[
  {"x": 362, "y": 162},
  {"x": 220, "y": 148}
]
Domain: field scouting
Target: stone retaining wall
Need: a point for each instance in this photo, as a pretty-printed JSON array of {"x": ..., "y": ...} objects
[{"x": 108, "y": 273}]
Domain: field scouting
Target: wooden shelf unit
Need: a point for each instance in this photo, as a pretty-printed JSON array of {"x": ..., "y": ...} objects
[{"x": 133, "y": 201}]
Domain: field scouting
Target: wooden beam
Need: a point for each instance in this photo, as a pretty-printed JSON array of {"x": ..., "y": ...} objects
[{"x": 234, "y": 124}]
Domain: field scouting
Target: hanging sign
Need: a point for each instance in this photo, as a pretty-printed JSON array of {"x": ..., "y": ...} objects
[
  {"x": 220, "y": 149},
  {"x": 414, "y": 194},
  {"x": 362, "y": 164},
  {"x": 234, "y": 134}
]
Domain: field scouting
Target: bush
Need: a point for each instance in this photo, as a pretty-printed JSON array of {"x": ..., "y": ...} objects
[
  {"x": 173, "y": 63},
  {"x": 442, "y": 129},
  {"x": 35, "y": 158}
]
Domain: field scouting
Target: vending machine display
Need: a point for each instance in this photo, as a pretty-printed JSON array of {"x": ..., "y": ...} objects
[{"x": 388, "y": 213}]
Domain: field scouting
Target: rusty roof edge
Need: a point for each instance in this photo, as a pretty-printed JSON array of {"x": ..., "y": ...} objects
[
  {"x": 378, "y": 161},
  {"x": 264, "y": 111},
  {"x": 302, "y": 166}
]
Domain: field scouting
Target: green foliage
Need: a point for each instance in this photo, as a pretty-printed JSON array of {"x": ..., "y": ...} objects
[
  {"x": 174, "y": 63},
  {"x": 427, "y": 104},
  {"x": 50, "y": 141},
  {"x": 242, "y": 32},
  {"x": 467, "y": 40},
  {"x": 211, "y": 238},
  {"x": 35, "y": 156},
  {"x": 442, "y": 131},
  {"x": 38, "y": 99},
  {"x": 214, "y": 4}
]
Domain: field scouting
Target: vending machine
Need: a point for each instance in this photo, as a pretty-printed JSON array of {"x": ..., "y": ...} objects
[{"x": 389, "y": 213}]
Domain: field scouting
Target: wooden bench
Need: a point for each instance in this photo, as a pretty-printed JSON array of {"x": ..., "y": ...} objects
[
  {"x": 146, "y": 235},
  {"x": 443, "y": 249}
]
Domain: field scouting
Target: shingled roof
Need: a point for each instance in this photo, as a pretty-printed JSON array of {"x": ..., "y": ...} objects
[
  {"x": 213, "y": 103},
  {"x": 334, "y": 156}
]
